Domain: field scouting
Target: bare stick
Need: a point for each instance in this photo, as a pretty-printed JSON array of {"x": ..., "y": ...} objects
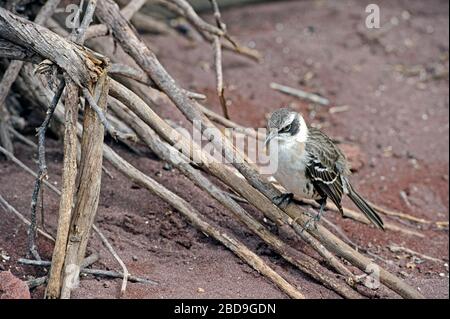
[
  {"x": 33, "y": 283},
  {"x": 193, "y": 17},
  {"x": 90, "y": 173},
  {"x": 26, "y": 168},
  {"x": 68, "y": 191},
  {"x": 126, "y": 274},
  {"x": 132, "y": 7},
  {"x": 300, "y": 94},
  {"x": 8, "y": 207},
  {"x": 207, "y": 31},
  {"x": 8, "y": 79},
  {"x": 42, "y": 174},
  {"x": 400, "y": 215},
  {"x": 396, "y": 248},
  {"x": 128, "y": 11},
  {"x": 80, "y": 33},
  {"x": 359, "y": 217},
  {"x": 139, "y": 75},
  {"x": 100, "y": 113},
  {"x": 22, "y": 138},
  {"x": 219, "y": 75}
]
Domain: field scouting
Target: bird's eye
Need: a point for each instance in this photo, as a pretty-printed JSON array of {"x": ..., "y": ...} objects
[{"x": 286, "y": 129}]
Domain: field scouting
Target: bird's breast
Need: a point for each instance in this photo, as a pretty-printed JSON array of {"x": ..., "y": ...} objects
[{"x": 292, "y": 160}]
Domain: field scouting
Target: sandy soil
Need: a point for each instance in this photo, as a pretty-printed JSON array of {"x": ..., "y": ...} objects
[{"x": 396, "y": 116}]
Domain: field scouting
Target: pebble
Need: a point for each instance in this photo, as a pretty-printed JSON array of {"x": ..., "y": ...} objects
[
  {"x": 200, "y": 290},
  {"x": 134, "y": 258}
]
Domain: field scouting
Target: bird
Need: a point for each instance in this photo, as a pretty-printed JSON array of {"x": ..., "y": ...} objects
[{"x": 311, "y": 166}]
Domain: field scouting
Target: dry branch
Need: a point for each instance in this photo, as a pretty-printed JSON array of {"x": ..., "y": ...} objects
[
  {"x": 68, "y": 190},
  {"x": 300, "y": 94},
  {"x": 83, "y": 66},
  {"x": 8, "y": 207},
  {"x": 89, "y": 184},
  {"x": 110, "y": 248}
]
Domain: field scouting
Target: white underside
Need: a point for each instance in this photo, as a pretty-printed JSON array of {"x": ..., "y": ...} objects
[{"x": 291, "y": 167}]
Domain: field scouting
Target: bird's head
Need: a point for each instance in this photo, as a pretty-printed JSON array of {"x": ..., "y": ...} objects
[{"x": 286, "y": 125}]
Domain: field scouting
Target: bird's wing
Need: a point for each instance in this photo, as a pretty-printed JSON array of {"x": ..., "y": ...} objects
[
  {"x": 326, "y": 180},
  {"x": 326, "y": 166}
]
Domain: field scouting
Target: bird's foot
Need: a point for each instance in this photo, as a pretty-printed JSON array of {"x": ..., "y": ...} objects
[
  {"x": 283, "y": 200},
  {"x": 311, "y": 223},
  {"x": 313, "y": 220}
]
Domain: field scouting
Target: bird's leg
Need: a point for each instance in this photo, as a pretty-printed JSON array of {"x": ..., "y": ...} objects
[
  {"x": 323, "y": 203},
  {"x": 315, "y": 219},
  {"x": 283, "y": 200}
]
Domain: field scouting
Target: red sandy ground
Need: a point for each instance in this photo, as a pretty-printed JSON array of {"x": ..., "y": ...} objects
[{"x": 399, "y": 123}]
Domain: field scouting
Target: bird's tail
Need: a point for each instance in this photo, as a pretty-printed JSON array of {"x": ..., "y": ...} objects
[{"x": 366, "y": 208}]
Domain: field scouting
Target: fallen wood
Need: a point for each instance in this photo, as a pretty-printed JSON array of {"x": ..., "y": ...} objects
[
  {"x": 8, "y": 207},
  {"x": 300, "y": 94}
]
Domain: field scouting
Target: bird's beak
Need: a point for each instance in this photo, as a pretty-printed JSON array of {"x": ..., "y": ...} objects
[{"x": 272, "y": 133}]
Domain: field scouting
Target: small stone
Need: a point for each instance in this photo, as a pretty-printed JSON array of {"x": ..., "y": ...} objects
[
  {"x": 441, "y": 274},
  {"x": 200, "y": 290},
  {"x": 167, "y": 167},
  {"x": 105, "y": 285},
  {"x": 134, "y": 258}
]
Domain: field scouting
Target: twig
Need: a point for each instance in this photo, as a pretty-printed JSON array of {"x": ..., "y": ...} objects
[
  {"x": 396, "y": 248},
  {"x": 22, "y": 138},
  {"x": 300, "y": 94},
  {"x": 207, "y": 31},
  {"x": 219, "y": 75},
  {"x": 33, "y": 283},
  {"x": 42, "y": 174},
  {"x": 400, "y": 215},
  {"x": 89, "y": 182},
  {"x": 357, "y": 216},
  {"x": 218, "y": 59},
  {"x": 101, "y": 115},
  {"x": 139, "y": 75},
  {"x": 80, "y": 33},
  {"x": 27, "y": 169},
  {"x": 126, "y": 274},
  {"x": 68, "y": 190},
  {"x": 132, "y": 7},
  {"x": 101, "y": 30},
  {"x": 8, "y": 207},
  {"x": 230, "y": 124}
]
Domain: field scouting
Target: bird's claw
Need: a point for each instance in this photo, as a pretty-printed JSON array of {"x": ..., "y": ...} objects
[
  {"x": 311, "y": 222},
  {"x": 283, "y": 200}
]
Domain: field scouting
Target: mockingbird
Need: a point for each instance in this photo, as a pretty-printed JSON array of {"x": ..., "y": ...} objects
[{"x": 311, "y": 166}]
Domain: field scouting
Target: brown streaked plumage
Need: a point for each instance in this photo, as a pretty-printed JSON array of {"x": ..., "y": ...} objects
[{"x": 310, "y": 165}]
